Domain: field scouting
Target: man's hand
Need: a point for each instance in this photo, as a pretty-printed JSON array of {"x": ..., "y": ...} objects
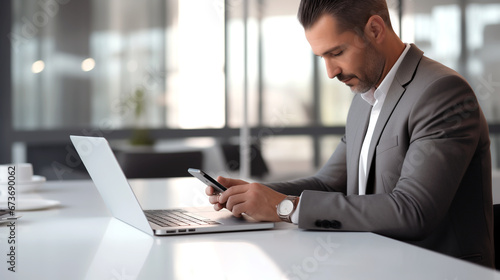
[{"x": 253, "y": 199}]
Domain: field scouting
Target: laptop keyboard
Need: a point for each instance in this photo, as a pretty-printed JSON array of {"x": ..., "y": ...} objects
[{"x": 176, "y": 217}]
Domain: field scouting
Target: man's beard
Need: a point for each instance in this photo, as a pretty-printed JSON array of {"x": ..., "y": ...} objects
[{"x": 372, "y": 73}]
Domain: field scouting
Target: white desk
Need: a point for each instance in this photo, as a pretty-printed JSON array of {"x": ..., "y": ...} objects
[{"x": 78, "y": 240}]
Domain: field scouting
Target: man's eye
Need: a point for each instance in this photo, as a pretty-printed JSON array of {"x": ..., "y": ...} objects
[{"x": 338, "y": 54}]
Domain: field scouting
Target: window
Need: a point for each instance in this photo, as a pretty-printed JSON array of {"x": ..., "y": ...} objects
[
  {"x": 181, "y": 69},
  {"x": 464, "y": 35},
  {"x": 92, "y": 63}
]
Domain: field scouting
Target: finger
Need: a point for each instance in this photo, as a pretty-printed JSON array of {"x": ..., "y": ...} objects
[
  {"x": 224, "y": 196},
  {"x": 234, "y": 200},
  {"x": 213, "y": 199},
  {"x": 218, "y": 207},
  {"x": 209, "y": 190},
  {"x": 239, "y": 209},
  {"x": 228, "y": 182}
]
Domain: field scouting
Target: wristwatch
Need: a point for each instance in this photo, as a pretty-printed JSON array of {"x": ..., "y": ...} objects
[{"x": 286, "y": 208}]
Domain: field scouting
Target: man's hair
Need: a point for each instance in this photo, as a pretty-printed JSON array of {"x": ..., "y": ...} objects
[{"x": 350, "y": 14}]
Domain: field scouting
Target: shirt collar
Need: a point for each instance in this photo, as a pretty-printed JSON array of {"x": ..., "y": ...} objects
[{"x": 373, "y": 94}]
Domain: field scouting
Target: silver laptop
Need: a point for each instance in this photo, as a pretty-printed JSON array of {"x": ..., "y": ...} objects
[{"x": 120, "y": 199}]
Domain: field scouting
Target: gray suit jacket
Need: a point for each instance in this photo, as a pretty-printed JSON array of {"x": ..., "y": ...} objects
[{"x": 429, "y": 179}]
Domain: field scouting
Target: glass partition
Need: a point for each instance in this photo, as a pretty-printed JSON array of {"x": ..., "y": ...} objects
[
  {"x": 117, "y": 64},
  {"x": 184, "y": 65}
]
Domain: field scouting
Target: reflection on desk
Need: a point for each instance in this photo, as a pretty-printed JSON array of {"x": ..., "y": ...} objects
[
  {"x": 121, "y": 252},
  {"x": 79, "y": 240}
]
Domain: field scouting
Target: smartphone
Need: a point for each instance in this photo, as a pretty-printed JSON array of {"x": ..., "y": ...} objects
[{"x": 202, "y": 176}]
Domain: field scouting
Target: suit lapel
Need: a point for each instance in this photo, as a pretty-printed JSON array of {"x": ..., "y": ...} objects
[
  {"x": 361, "y": 125},
  {"x": 404, "y": 75}
]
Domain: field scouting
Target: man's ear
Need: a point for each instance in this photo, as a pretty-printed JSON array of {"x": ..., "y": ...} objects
[{"x": 375, "y": 29}]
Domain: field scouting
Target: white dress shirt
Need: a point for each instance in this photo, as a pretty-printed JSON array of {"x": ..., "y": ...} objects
[{"x": 376, "y": 98}]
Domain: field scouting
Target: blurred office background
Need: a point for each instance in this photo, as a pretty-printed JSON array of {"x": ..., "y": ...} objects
[{"x": 185, "y": 70}]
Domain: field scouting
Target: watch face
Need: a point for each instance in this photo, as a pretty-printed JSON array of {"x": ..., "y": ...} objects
[{"x": 285, "y": 207}]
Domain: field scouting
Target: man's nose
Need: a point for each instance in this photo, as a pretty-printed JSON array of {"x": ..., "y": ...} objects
[{"x": 332, "y": 68}]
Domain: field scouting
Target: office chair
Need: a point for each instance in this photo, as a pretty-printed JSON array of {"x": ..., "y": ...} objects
[
  {"x": 258, "y": 166},
  {"x": 56, "y": 161},
  {"x": 496, "y": 234},
  {"x": 158, "y": 164}
]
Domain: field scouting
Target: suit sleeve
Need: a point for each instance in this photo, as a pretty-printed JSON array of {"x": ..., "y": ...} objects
[{"x": 444, "y": 127}]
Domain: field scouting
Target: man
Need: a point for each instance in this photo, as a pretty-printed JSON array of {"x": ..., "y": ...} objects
[{"x": 414, "y": 163}]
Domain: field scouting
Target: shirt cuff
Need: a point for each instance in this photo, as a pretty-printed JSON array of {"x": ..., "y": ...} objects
[{"x": 295, "y": 215}]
